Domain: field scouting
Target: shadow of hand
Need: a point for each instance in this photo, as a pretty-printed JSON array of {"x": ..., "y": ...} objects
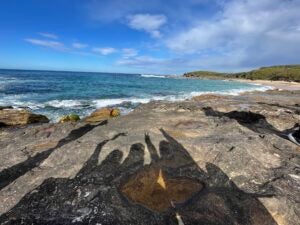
[{"x": 173, "y": 189}]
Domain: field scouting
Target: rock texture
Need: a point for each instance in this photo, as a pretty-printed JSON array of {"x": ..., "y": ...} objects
[
  {"x": 5, "y": 107},
  {"x": 10, "y": 117},
  {"x": 102, "y": 114},
  {"x": 203, "y": 161},
  {"x": 69, "y": 118}
]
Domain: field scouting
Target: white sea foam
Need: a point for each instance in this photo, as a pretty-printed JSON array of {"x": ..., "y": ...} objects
[
  {"x": 99, "y": 103},
  {"x": 66, "y": 103},
  {"x": 16, "y": 100},
  {"x": 85, "y": 107},
  {"x": 3, "y": 78},
  {"x": 8, "y": 80},
  {"x": 152, "y": 76},
  {"x": 233, "y": 92}
]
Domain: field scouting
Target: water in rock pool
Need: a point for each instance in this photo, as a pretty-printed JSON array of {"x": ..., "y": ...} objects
[{"x": 57, "y": 93}]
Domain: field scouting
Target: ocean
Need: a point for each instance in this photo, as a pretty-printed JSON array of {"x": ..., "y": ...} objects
[{"x": 55, "y": 94}]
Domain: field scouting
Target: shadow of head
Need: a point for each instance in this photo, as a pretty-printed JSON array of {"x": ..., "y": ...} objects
[
  {"x": 241, "y": 117},
  {"x": 253, "y": 121}
]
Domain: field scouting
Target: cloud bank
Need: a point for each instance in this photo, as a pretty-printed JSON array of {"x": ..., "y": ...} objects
[
  {"x": 222, "y": 35},
  {"x": 245, "y": 34},
  {"x": 227, "y": 35}
]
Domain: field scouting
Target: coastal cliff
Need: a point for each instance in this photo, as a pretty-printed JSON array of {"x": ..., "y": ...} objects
[{"x": 209, "y": 160}]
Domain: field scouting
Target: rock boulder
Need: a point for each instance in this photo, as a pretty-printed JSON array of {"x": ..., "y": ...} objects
[
  {"x": 102, "y": 114},
  {"x": 69, "y": 118},
  {"x": 11, "y": 117}
]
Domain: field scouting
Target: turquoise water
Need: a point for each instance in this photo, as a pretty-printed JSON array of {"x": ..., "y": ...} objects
[{"x": 57, "y": 93}]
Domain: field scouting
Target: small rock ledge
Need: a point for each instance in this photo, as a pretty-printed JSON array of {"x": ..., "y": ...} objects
[{"x": 13, "y": 117}]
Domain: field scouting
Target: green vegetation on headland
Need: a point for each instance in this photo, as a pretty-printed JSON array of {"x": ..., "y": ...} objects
[{"x": 282, "y": 73}]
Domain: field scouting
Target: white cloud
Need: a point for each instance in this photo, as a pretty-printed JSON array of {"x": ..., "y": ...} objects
[
  {"x": 48, "y": 35},
  {"x": 147, "y": 22},
  {"x": 201, "y": 34},
  {"x": 104, "y": 51},
  {"x": 140, "y": 61},
  {"x": 48, "y": 44},
  {"x": 246, "y": 33},
  {"x": 78, "y": 45},
  {"x": 129, "y": 52},
  {"x": 116, "y": 10}
]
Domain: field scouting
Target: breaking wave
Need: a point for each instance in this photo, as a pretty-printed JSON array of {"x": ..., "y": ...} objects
[
  {"x": 59, "y": 93},
  {"x": 152, "y": 76},
  {"x": 84, "y": 107}
]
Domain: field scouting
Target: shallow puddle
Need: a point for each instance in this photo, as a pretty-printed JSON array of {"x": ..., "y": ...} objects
[{"x": 153, "y": 189}]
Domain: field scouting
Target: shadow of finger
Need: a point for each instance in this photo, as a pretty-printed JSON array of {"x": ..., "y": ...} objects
[{"x": 152, "y": 150}]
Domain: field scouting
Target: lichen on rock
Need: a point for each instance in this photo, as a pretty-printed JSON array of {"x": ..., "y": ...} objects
[{"x": 69, "y": 118}]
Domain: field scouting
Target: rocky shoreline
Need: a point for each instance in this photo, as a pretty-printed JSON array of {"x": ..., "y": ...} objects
[{"x": 209, "y": 160}]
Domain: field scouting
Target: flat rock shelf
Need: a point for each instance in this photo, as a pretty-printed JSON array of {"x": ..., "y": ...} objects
[{"x": 213, "y": 160}]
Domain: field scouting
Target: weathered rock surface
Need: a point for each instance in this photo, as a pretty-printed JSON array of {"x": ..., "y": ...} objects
[
  {"x": 207, "y": 97},
  {"x": 5, "y": 107},
  {"x": 69, "y": 118},
  {"x": 10, "y": 117},
  {"x": 204, "y": 161},
  {"x": 102, "y": 114}
]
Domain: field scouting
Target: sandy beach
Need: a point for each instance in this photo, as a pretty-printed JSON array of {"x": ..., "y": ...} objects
[{"x": 281, "y": 85}]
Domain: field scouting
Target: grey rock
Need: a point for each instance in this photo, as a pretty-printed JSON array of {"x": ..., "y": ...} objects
[{"x": 235, "y": 147}]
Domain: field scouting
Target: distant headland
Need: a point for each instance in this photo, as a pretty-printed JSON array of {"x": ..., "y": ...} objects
[{"x": 274, "y": 73}]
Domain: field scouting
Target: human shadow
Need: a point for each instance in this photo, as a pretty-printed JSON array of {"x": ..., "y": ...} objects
[
  {"x": 220, "y": 201},
  {"x": 172, "y": 189},
  {"x": 253, "y": 121},
  {"x": 294, "y": 108},
  {"x": 12, "y": 173}
]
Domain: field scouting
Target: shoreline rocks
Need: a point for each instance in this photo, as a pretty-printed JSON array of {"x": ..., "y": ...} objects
[
  {"x": 102, "y": 114},
  {"x": 207, "y": 97},
  {"x": 194, "y": 157},
  {"x": 69, "y": 118},
  {"x": 13, "y": 117},
  {"x": 5, "y": 107}
]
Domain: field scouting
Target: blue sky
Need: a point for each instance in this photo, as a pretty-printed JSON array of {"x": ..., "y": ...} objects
[{"x": 143, "y": 36}]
